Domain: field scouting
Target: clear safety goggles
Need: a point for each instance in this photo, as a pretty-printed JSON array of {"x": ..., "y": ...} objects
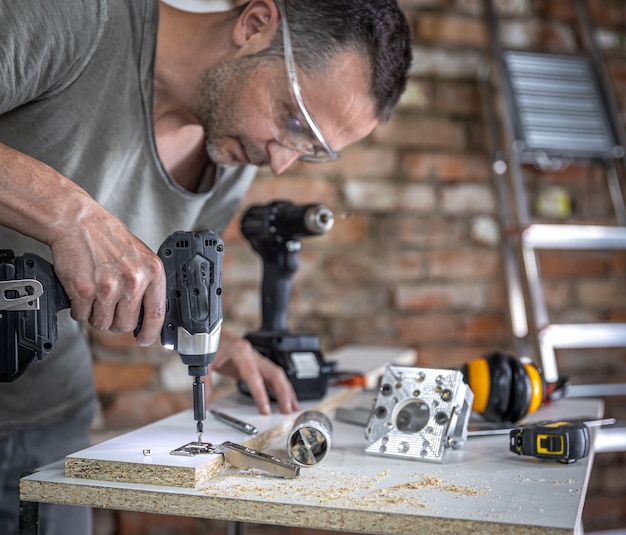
[{"x": 294, "y": 127}]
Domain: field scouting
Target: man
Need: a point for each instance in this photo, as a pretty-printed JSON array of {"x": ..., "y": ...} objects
[{"x": 122, "y": 121}]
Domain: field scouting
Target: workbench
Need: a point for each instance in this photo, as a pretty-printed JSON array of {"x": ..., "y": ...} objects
[{"x": 481, "y": 488}]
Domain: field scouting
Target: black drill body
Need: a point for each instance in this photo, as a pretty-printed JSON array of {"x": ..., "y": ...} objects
[
  {"x": 274, "y": 231},
  {"x": 31, "y": 295}
]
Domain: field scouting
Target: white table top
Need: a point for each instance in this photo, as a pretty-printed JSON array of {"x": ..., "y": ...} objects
[{"x": 482, "y": 487}]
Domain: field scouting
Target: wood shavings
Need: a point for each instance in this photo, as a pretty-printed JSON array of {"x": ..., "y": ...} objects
[{"x": 437, "y": 482}]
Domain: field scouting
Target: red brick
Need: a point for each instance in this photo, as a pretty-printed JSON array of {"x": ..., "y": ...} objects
[
  {"x": 418, "y": 330},
  {"x": 558, "y": 294},
  {"x": 607, "y": 13},
  {"x": 132, "y": 523},
  {"x": 446, "y": 166},
  {"x": 602, "y": 513},
  {"x": 484, "y": 327},
  {"x": 378, "y": 197},
  {"x": 547, "y": 9},
  {"x": 466, "y": 199},
  {"x": 368, "y": 161},
  {"x": 451, "y": 357},
  {"x": 456, "y": 98},
  {"x": 376, "y": 266},
  {"x": 456, "y": 264},
  {"x": 408, "y": 230},
  {"x": 433, "y": 296},
  {"x": 411, "y": 130},
  {"x": 349, "y": 228},
  {"x": 459, "y": 63},
  {"x": 419, "y": 95},
  {"x": 574, "y": 264},
  {"x": 602, "y": 293},
  {"x": 338, "y": 302},
  {"x": 118, "y": 376},
  {"x": 450, "y": 30},
  {"x": 376, "y": 330},
  {"x": 297, "y": 190},
  {"x": 534, "y": 34}
]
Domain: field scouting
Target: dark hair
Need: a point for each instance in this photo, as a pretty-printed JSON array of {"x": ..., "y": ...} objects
[{"x": 376, "y": 28}]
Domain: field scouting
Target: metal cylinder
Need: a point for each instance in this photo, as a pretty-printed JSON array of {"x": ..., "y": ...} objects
[{"x": 309, "y": 440}]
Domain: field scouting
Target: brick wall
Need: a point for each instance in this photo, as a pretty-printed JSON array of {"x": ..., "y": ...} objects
[{"x": 414, "y": 256}]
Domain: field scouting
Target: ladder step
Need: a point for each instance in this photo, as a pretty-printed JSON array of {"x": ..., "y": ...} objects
[
  {"x": 540, "y": 236},
  {"x": 576, "y": 336},
  {"x": 584, "y": 335}
]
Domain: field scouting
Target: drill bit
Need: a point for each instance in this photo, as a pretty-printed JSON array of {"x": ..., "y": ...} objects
[
  {"x": 199, "y": 405},
  {"x": 199, "y": 431}
]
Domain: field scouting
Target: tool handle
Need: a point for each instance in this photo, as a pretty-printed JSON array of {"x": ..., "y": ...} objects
[{"x": 29, "y": 333}]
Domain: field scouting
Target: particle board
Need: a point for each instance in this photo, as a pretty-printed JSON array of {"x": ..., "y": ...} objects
[{"x": 123, "y": 459}]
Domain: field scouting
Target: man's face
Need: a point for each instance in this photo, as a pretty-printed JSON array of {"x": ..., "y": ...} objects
[{"x": 245, "y": 107}]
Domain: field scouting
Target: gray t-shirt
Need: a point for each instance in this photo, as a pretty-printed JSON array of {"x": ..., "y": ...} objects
[{"x": 76, "y": 93}]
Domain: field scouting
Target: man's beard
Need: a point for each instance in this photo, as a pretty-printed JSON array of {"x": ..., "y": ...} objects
[{"x": 215, "y": 104}]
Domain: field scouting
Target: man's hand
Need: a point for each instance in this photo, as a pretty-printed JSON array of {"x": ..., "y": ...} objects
[
  {"x": 238, "y": 359},
  {"x": 108, "y": 273}
]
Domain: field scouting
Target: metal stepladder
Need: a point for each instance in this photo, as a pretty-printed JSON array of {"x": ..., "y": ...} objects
[{"x": 556, "y": 110}]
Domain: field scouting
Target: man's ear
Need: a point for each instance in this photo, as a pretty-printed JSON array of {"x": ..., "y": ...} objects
[{"x": 256, "y": 26}]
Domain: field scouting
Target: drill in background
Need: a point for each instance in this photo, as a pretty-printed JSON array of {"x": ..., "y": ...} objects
[
  {"x": 31, "y": 296},
  {"x": 274, "y": 231}
]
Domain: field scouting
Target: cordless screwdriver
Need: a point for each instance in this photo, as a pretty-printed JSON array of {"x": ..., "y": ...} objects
[
  {"x": 31, "y": 295},
  {"x": 193, "y": 316}
]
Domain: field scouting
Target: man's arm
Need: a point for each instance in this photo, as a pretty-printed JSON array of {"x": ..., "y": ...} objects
[{"x": 107, "y": 272}]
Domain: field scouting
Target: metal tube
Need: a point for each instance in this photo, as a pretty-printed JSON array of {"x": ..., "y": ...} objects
[{"x": 309, "y": 440}]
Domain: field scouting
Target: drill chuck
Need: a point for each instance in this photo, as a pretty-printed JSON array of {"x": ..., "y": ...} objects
[
  {"x": 318, "y": 219},
  {"x": 282, "y": 221}
]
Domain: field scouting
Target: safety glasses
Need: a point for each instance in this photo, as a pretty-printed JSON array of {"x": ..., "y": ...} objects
[{"x": 298, "y": 130}]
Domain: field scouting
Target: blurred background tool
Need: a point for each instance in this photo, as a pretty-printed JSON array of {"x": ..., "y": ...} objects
[{"x": 274, "y": 231}]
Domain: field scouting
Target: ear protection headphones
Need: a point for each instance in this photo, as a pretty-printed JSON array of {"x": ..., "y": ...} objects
[{"x": 505, "y": 388}]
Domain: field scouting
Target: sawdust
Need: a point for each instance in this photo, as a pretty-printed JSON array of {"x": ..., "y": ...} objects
[
  {"x": 331, "y": 489},
  {"x": 437, "y": 482}
]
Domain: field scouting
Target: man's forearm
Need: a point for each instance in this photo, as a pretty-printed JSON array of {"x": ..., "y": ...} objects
[{"x": 35, "y": 199}]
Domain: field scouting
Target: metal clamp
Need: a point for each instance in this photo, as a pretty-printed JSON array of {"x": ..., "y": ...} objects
[{"x": 20, "y": 294}]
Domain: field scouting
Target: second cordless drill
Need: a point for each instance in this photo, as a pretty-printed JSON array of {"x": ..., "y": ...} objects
[{"x": 274, "y": 231}]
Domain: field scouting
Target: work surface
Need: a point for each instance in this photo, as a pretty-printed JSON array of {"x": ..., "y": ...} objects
[{"x": 481, "y": 488}]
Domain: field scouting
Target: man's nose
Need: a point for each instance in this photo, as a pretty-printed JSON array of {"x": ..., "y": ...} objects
[{"x": 281, "y": 157}]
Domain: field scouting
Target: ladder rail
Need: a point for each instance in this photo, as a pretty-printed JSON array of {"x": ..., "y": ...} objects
[{"x": 555, "y": 143}]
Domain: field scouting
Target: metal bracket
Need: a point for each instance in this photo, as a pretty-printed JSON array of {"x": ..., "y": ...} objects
[
  {"x": 242, "y": 457},
  {"x": 21, "y": 294},
  {"x": 194, "y": 448}
]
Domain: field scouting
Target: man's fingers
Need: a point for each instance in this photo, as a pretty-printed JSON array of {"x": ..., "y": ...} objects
[
  {"x": 153, "y": 314},
  {"x": 256, "y": 385},
  {"x": 283, "y": 392}
]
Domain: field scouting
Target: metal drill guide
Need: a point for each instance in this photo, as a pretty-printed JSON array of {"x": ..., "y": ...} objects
[{"x": 419, "y": 413}]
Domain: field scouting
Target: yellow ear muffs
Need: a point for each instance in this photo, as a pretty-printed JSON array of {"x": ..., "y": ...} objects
[{"x": 505, "y": 389}]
